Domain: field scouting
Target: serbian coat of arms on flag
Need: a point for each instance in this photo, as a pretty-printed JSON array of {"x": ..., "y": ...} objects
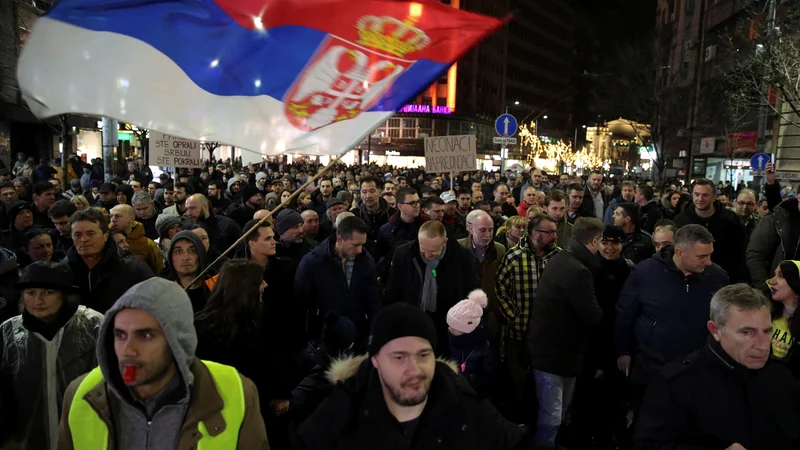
[{"x": 272, "y": 76}]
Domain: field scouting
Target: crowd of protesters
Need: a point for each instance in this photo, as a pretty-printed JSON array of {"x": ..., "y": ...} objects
[{"x": 390, "y": 308}]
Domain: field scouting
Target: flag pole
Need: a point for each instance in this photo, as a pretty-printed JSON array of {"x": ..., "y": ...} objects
[{"x": 264, "y": 219}]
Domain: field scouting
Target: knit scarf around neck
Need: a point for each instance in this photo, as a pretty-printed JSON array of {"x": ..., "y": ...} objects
[{"x": 429, "y": 286}]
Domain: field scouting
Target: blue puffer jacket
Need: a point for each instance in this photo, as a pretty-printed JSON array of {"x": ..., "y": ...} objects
[{"x": 661, "y": 313}]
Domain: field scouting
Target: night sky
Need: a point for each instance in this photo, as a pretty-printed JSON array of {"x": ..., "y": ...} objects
[{"x": 619, "y": 20}]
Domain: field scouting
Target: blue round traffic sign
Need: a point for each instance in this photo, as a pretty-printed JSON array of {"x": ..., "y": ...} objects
[
  {"x": 505, "y": 125},
  {"x": 759, "y": 161}
]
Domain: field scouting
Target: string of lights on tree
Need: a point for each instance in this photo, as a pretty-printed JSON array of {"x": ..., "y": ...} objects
[{"x": 561, "y": 152}]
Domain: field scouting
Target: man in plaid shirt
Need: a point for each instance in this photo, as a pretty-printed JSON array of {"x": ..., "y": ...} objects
[{"x": 517, "y": 279}]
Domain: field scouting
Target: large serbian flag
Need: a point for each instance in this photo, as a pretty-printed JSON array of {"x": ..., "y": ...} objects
[{"x": 272, "y": 76}]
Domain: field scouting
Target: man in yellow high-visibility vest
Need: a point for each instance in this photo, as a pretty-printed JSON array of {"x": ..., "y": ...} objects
[{"x": 150, "y": 391}]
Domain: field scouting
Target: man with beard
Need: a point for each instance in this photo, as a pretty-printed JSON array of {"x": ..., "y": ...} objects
[
  {"x": 399, "y": 393},
  {"x": 320, "y": 197},
  {"x": 252, "y": 201},
  {"x": 595, "y": 201},
  {"x": 293, "y": 243},
  {"x": 182, "y": 191},
  {"x": 234, "y": 193},
  {"x": 516, "y": 285},
  {"x": 216, "y": 195},
  {"x": 223, "y": 231}
]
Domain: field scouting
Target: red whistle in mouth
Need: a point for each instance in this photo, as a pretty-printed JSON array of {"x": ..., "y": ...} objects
[{"x": 130, "y": 374}]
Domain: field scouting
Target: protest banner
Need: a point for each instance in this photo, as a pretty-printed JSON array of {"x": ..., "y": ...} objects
[
  {"x": 451, "y": 154},
  {"x": 171, "y": 151}
]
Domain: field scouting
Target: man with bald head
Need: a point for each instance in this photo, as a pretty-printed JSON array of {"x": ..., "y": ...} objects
[
  {"x": 432, "y": 273},
  {"x": 223, "y": 231},
  {"x": 260, "y": 214},
  {"x": 311, "y": 225},
  {"x": 123, "y": 219},
  {"x": 487, "y": 255}
]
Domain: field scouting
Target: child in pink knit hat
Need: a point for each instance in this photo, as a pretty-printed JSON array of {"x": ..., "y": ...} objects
[{"x": 469, "y": 342}]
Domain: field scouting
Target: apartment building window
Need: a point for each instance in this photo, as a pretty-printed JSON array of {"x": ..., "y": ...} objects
[
  {"x": 394, "y": 132},
  {"x": 394, "y": 123},
  {"x": 409, "y": 133}
]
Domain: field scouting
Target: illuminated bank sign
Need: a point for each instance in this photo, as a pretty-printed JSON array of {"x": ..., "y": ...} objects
[{"x": 425, "y": 109}]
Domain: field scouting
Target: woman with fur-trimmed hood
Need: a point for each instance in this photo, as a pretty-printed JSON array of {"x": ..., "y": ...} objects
[{"x": 399, "y": 396}]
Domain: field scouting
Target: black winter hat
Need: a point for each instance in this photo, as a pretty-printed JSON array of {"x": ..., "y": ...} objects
[
  {"x": 286, "y": 220},
  {"x": 47, "y": 274},
  {"x": 400, "y": 320},
  {"x": 791, "y": 273},
  {"x": 127, "y": 190},
  {"x": 612, "y": 233},
  {"x": 16, "y": 207},
  {"x": 338, "y": 333},
  {"x": 250, "y": 190}
]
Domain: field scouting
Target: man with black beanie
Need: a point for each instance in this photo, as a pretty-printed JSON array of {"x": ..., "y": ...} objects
[
  {"x": 291, "y": 239},
  {"x": 252, "y": 200},
  {"x": 378, "y": 399}
]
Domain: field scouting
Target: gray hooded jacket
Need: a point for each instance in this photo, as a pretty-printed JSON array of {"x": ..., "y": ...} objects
[
  {"x": 171, "y": 308},
  {"x": 201, "y": 252}
]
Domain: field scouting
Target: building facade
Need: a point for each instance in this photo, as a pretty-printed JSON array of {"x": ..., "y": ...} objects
[
  {"x": 523, "y": 69},
  {"x": 701, "y": 39}
]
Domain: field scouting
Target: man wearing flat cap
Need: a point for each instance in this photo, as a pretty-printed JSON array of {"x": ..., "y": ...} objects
[
  {"x": 399, "y": 396},
  {"x": 335, "y": 207}
]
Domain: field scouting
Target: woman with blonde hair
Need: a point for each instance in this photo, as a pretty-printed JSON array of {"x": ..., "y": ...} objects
[
  {"x": 510, "y": 233},
  {"x": 80, "y": 202},
  {"x": 533, "y": 211}
]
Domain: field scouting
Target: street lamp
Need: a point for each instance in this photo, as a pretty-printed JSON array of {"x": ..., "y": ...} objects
[
  {"x": 536, "y": 121},
  {"x": 516, "y": 103},
  {"x": 575, "y": 142}
]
